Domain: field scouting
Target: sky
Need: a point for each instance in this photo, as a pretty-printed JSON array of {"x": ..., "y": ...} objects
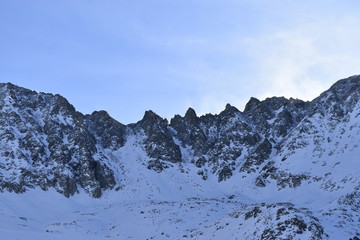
[{"x": 129, "y": 56}]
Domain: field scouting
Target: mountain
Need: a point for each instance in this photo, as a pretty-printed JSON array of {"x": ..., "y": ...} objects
[{"x": 280, "y": 169}]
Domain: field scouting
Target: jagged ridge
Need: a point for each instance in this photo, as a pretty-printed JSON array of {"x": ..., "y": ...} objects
[
  {"x": 276, "y": 143},
  {"x": 51, "y": 131}
]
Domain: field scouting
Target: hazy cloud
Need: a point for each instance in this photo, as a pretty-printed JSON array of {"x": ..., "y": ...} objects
[{"x": 304, "y": 61}]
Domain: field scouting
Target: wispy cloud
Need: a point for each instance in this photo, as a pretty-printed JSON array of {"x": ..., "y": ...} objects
[
  {"x": 299, "y": 58},
  {"x": 304, "y": 61}
]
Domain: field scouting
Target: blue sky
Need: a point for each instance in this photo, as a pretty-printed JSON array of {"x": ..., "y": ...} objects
[{"x": 128, "y": 56}]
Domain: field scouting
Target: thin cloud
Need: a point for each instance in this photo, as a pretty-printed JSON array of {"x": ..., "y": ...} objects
[{"x": 304, "y": 61}]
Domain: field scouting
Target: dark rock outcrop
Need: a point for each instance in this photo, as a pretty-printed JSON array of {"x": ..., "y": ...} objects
[{"x": 159, "y": 143}]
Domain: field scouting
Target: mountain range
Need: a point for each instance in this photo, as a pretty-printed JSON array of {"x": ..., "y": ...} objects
[{"x": 279, "y": 169}]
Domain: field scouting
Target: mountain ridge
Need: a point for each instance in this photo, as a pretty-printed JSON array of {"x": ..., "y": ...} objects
[
  {"x": 277, "y": 114},
  {"x": 273, "y": 147}
]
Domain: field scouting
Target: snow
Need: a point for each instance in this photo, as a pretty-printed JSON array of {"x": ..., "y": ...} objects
[
  {"x": 38, "y": 216},
  {"x": 277, "y": 112},
  {"x": 165, "y": 205}
]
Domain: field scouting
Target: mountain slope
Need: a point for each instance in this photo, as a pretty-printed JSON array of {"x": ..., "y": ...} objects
[
  {"x": 291, "y": 165},
  {"x": 45, "y": 143}
]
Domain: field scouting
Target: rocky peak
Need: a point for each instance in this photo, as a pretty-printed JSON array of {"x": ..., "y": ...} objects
[
  {"x": 229, "y": 111},
  {"x": 14, "y": 95},
  {"x": 346, "y": 87},
  {"x": 62, "y": 106},
  {"x": 339, "y": 100},
  {"x": 252, "y": 104},
  {"x": 159, "y": 143},
  {"x": 152, "y": 122},
  {"x": 191, "y": 117},
  {"x": 150, "y": 116},
  {"x": 341, "y": 90},
  {"x": 275, "y": 117},
  {"x": 51, "y": 139},
  {"x": 109, "y": 132}
]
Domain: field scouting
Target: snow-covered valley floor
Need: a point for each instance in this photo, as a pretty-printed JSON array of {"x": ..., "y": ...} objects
[{"x": 49, "y": 215}]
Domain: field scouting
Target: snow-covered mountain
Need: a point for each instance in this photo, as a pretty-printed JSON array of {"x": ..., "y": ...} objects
[{"x": 280, "y": 169}]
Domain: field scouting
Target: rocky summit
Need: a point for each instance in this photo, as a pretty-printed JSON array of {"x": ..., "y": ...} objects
[{"x": 279, "y": 169}]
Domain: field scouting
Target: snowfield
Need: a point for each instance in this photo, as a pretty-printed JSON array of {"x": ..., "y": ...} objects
[{"x": 170, "y": 205}]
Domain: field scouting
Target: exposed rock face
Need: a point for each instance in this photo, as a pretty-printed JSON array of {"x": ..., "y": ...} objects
[
  {"x": 275, "y": 117},
  {"x": 45, "y": 143},
  {"x": 110, "y": 133},
  {"x": 217, "y": 139},
  {"x": 159, "y": 143}
]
